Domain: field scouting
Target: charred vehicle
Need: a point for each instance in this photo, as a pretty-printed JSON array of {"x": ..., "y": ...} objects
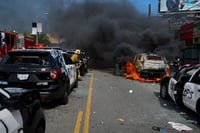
[
  {"x": 50, "y": 71},
  {"x": 150, "y": 65},
  {"x": 20, "y": 111}
]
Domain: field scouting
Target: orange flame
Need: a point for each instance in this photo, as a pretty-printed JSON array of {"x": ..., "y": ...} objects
[{"x": 131, "y": 72}]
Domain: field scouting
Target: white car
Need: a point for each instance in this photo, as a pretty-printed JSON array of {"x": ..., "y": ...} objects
[
  {"x": 150, "y": 65},
  {"x": 20, "y": 111},
  {"x": 191, "y": 92},
  {"x": 183, "y": 87}
]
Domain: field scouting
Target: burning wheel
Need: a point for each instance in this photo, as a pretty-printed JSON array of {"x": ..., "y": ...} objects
[{"x": 164, "y": 91}]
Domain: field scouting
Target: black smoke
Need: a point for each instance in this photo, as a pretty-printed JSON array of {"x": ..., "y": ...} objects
[
  {"x": 112, "y": 29},
  {"x": 108, "y": 30}
]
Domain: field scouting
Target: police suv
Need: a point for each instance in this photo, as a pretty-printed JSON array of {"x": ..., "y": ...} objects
[
  {"x": 49, "y": 70},
  {"x": 183, "y": 87}
]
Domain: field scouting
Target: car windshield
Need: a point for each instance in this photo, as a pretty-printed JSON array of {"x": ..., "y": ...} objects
[
  {"x": 27, "y": 60},
  {"x": 154, "y": 58}
]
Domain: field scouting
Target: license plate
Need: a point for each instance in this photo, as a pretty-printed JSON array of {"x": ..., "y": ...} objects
[{"x": 22, "y": 76}]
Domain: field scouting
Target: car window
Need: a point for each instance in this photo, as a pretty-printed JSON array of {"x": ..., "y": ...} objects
[
  {"x": 25, "y": 60},
  {"x": 67, "y": 59},
  {"x": 154, "y": 58},
  {"x": 196, "y": 78}
]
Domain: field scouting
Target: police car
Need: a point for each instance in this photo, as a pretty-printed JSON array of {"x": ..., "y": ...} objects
[
  {"x": 183, "y": 87},
  {"x": 20, "y": 111},
  {"x": 49, "y": 70}
]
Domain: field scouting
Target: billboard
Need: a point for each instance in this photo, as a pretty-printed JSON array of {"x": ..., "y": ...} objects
[{"x": 178, "y": 5}]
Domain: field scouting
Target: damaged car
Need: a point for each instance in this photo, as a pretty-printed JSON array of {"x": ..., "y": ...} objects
[
  {"x": 50, "y": 71},
  {"x": 172, "y": 86},
  {"x": 150, "y": 65},
  {"x": 183, "y": 87}
]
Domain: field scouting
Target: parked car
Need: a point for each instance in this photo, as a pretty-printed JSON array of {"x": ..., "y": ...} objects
[
  {"x": 172, "y": 86},
  {"x": 83, "y": 64},
  {"x": 191, "y": 93},
  {"x": 20, "y": 111},
  {"x": 50, "y": 71},
  {"x": 183, "y": 87},
  {"x": 150, "y": 65}
]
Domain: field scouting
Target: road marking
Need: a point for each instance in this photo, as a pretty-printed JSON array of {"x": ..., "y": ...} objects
[
  {"x": 78, "y": 122},
  {"x": 87, "y": 114}
]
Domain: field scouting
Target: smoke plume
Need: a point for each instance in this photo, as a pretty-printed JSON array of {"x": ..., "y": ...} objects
[
  {"x": 112, "y": 29},
  {"x": 108, "y": 30}
]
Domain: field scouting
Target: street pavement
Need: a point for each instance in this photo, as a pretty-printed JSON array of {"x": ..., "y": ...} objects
[{"x": 106, "y": 103}]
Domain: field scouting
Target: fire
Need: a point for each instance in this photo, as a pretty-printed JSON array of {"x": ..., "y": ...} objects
[{"x": 131, "y": 72}]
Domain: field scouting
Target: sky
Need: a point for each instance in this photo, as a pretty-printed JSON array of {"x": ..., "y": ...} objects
[
  {"x": 106, "y": 28},
  {"x": 142, "y": 6},
  {"x": 17, "y": 13}
]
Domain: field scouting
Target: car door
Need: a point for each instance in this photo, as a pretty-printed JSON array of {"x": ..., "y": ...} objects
[
  {"x": 10, "y": 121},
  {"x": 191, "y": 92},
  {"x": 172, "y": 83},
  {"x": 71, "y": 68}
]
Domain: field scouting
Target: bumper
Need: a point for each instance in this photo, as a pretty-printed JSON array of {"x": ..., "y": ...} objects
[{"x": 52, "y": 94}]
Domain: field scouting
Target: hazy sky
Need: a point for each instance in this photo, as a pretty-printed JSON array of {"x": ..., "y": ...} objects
[
  {"x": 19, "y": 14},
  {"x": 142, "y": 6}
]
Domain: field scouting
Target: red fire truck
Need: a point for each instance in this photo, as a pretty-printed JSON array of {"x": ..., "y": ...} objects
[{"x": 9, "y": 41}]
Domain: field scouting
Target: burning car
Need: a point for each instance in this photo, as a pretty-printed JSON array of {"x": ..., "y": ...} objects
[{"x": 150, "y": 65}]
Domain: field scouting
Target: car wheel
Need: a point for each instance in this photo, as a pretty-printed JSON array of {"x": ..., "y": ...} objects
[
  {"x": 64, "y": 99},
  {"x": 164, "y": 91}
]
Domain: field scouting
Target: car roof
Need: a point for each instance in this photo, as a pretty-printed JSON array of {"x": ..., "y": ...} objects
[{"x": 53, "y": 52}]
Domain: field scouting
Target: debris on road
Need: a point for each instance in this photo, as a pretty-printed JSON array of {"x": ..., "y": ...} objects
[
  {"x": 120, "y": 119},
  {"x": 130, "y": 91},
  {"x": 192, "y": 121},
  {"x": 158, "y": 129},
  {"x": 179, "y": 126}
]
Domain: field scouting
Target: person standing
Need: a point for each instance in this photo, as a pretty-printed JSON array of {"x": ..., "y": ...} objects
[{"x": 76, "y": 59}]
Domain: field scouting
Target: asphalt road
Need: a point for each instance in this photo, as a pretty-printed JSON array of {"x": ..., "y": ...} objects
[{"x": 105, "y": 103}]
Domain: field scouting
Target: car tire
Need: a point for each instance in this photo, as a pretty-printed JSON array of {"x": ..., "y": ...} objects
[
  {"x": 64, "y": 100},
  {"x": 164, "y": 91}
]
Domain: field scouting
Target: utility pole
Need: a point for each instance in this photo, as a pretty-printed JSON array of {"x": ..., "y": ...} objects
[{"x": 149, "y": 11}]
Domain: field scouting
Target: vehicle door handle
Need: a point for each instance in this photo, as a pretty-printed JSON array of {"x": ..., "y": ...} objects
[{"x": 198, "y": 90}]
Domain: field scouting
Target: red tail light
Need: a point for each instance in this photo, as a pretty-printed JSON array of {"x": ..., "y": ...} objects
[{"x": 54, "y": 73}]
